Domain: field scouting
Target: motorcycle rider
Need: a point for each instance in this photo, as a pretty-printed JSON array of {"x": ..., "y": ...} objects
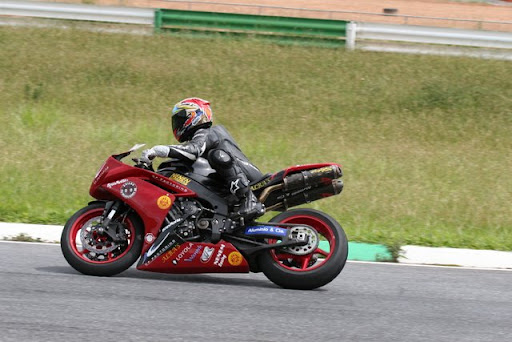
[{"x": 192, "y": 120}]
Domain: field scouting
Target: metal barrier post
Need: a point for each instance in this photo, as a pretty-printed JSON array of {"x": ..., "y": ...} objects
[{"x": 351, "y": 35}]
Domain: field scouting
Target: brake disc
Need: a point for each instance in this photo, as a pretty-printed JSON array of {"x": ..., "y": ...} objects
[
  {"x": 302, "y": 233},
  {"x": 94, "y": 240}
]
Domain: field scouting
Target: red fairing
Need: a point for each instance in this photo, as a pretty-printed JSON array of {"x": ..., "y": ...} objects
[
  {"x": 298, "y": 168},
  {"x": 116, "y": 180},
  {"x": 195, "y": 257},
  {"x": 148, "y": 200},
  {"x": 113, "y": 170}
]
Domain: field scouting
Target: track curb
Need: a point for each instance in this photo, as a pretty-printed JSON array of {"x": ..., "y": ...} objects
[{"x": 357, "y": 251}]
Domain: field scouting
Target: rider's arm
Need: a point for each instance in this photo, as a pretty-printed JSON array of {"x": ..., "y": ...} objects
[{"x": 191, "y": 149}]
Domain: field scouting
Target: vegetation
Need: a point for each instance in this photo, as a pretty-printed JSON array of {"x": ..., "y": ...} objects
[{"x": 425, "y": 141}]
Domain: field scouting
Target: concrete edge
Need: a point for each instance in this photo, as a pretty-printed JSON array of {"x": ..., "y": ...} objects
[
  {"x": 455, "y": 257},
  {"x": 46, "y": 233},
  {"x": 357, "y": 251}
]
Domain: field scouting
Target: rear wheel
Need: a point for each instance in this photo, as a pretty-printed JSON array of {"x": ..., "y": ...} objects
[
  {"x": 91, "y": 249},
  {"x": 300, "y": 268}
]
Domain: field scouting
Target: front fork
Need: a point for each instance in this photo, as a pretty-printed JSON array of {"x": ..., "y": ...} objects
[{"x": 111, "y": 209}]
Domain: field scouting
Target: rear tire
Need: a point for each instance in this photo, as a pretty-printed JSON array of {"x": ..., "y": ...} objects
[
  {"x": 108, "y": 257},
  {"x": 309, "y": 271}
]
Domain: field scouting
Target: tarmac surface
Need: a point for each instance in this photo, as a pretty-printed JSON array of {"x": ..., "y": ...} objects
[{"x": 43, "y": 299}]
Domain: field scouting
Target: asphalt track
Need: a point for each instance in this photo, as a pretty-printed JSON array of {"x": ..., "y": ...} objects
[{"x": 44, "y": 299}]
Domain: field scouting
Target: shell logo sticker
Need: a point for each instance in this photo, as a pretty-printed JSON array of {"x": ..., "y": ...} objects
[
  {"x": 164, "y": 202},
  {"x": 235, "y": 258}
]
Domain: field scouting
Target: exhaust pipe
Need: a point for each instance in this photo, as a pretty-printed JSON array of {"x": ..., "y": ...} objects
[
  {"x": 311, "y": 178},
  {"x": 335, "y": 187}
]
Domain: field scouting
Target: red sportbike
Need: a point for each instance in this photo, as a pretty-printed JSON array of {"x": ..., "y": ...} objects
[{"x": 181, "y": 219}]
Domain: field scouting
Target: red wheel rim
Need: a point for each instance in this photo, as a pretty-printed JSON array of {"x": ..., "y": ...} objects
[
  {"x": 314, "y": 260},
  {"x": 101, "y": 258}
]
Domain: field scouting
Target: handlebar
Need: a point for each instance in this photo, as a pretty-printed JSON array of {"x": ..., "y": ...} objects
[{"x": 142, "y": 164}]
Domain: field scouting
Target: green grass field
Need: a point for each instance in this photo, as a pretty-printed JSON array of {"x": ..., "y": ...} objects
[{"x": 425, "y": 141}]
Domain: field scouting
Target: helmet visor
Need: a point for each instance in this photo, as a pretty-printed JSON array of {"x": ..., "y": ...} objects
[{"x": 178, "y": 121}]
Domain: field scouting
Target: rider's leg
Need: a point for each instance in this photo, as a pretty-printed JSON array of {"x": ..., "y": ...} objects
[{"x": 238, "y": 183}]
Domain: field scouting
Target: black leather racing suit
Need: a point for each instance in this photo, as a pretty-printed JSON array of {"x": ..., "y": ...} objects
[{"x": 218, "y": 146}]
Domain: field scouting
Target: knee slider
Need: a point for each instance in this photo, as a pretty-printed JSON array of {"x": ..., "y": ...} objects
[{"x": 219, "y": 159}]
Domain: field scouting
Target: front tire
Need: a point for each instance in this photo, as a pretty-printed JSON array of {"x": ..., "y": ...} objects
[
  {"x": 90, "y": 251},
  {"x": 307, "y": 272}
]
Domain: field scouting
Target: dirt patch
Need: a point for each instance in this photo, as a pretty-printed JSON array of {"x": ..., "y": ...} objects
[{"x": 462, "y": 14}]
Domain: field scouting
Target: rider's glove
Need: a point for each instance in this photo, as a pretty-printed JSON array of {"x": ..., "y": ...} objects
[{"x": 161, "y": 151}]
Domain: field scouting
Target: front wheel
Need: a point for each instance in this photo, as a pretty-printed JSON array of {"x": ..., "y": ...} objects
[
  {"x": 91, "y": 249},
  {"x": 315, "y": 269}
]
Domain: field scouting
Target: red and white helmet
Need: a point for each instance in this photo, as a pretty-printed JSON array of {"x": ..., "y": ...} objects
[{"x": 189, "y": 115}]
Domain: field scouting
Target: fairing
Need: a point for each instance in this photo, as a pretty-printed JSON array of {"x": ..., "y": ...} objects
[{"x": 197, "y": 257}]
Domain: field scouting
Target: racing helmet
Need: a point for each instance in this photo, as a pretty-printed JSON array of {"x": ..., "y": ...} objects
[{"x": 189, "y": 115}]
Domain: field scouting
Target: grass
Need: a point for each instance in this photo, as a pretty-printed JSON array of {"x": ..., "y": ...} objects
[{"x": 424, "y": 140}]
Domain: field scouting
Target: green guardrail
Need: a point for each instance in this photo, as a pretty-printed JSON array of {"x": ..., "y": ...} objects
[{"x": 279, "y": 29}]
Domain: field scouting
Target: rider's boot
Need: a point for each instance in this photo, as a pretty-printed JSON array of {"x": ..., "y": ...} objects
[{"x": 249, "y": 206}]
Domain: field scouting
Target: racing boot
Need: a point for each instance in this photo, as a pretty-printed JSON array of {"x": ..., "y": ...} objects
[{"x": 249, "y": 206}]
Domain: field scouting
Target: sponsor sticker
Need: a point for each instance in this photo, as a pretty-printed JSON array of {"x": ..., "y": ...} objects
[
  {"x": 171, "y": 184},
  {"x": 266, "y": 230},
  {"x": 128, "y": 190},
  {"x": 300, "y": 191},
  {"x": 170, "y": 253},
  {"x": 194, "y": 255},
  {"x": 207, "y": 254},
  {"x": 322, "y": 169},
  {"x": 182, "y": 254},
  {"x": 220, "y": 257},
  {"x": 235, "y": 258},
  {"x": 261, "y": 184},
  {"x": 164, "y": 202},
  {"x": 180, "y": 178},
  {"x": 101, "y": 171},
  {"x": 152, "y": 253},
  {"x": 121, "y": 181}
]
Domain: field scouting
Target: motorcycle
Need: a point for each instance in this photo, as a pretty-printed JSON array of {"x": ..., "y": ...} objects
[{"x": 181, "y": 219}]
